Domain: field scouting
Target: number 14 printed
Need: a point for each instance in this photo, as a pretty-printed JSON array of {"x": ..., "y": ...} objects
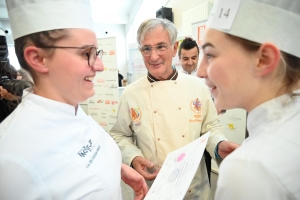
[{"x": 225, "y": 14}]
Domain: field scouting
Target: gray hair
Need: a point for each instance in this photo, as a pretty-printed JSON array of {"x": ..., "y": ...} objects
[{"x": 150, "y": 24}]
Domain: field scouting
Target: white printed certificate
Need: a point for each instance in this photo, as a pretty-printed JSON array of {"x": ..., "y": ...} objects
[{"x": 178, "y": 171}]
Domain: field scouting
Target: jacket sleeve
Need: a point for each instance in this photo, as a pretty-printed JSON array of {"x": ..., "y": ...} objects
[
  {"x": 211, "y": 123},
  {"x": 122, "y": 133}
]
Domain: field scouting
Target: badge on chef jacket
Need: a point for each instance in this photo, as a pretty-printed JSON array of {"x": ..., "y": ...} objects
[
  {"x": 196, "y": 107},
  {"x": 135, "y": 114}
]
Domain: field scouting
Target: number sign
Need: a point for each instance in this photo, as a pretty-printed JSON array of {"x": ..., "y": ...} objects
[{"x": 224, "y": 14}]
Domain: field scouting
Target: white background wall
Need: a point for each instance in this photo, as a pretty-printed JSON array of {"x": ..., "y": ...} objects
[
  {"x": 118, "y": 31},
  {"x": 6, "y": 25},
  {"x": 180, "y": 6}
]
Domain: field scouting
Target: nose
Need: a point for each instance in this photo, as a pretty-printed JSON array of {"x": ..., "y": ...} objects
[
  {"x": 202, "y": 70},
  {"x": 98, "y": 66},
  {"x": 154, "y": 55},
  {"x": 190, "y": 61}
]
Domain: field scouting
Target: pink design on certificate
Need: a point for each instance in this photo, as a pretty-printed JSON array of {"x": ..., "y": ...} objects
[{"x": 181, "y": 157}]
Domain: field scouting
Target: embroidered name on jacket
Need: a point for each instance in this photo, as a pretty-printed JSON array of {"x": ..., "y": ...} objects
[
  {"x": 86, "y": 149},
  {"x": 196, "y": 107},
  {"x": 93, "y": 157},
  {"x": 135, "y": 114}
]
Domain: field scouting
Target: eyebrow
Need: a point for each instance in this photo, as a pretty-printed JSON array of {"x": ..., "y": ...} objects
[
  {"x": 207, "y": 45},
  {"x": 161, "y": 43},
  {"x": 189, "y": 57}
]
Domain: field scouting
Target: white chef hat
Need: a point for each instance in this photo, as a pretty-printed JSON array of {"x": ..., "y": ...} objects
[
  {"x": 260, "y": 21},
  {"x": 32, "y": 16}
]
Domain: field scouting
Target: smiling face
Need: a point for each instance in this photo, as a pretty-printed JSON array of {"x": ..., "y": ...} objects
[
  {"x": 228, "y": 71},
  {"x": 189, "y": 59},
  {"x": 159, "y": 66},
  {"x": 69, "y": 77}
]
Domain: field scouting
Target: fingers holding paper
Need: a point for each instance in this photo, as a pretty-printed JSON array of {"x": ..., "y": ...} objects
[{"x": 145, "y": 168}]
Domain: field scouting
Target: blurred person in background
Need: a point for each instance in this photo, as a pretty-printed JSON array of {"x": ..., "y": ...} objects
[
  {"x": 120, "y": 78},
  {"x": 188, "y": 54},
  {"x": 11, "y": 89}
]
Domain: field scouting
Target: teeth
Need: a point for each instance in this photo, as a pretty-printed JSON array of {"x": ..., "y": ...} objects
[
  {"x": 211, "y": 88},
  {"x": 89, "y": 78}
]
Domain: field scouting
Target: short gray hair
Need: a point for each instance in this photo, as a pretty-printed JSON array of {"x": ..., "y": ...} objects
[{"x": 150, "y": 24}]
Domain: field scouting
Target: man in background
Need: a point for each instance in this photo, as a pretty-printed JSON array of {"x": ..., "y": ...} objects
[{"x": 188, "y": 54}]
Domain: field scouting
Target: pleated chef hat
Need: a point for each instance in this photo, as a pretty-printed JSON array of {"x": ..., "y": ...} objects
[
  {"x": 32, "y": 16},
  {"x": 275, "y": 21}
]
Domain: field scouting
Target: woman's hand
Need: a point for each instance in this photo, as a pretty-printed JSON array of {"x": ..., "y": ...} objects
[{"x": 135, "y": 181}]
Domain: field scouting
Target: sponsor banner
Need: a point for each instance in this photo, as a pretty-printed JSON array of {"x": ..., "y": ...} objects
[{"x": 103, "y": 106}]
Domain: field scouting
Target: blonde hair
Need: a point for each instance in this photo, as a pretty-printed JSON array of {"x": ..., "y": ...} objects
[{"x": 288, "y": 67}]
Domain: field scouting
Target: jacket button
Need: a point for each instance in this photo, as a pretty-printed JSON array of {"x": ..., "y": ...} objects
[
  {"x": 154, "y": 111},
  {"x": 182, "y": 135},
  {"x": 151, "y": 85},
  {"x": 179, "y": 108},
  {"x": 175, "y": 82},
  {"x": 158, "y": 139},
  {"x": 190, "y": 191}
]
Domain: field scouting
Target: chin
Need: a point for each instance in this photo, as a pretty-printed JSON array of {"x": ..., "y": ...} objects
[
  {"x": 90, "y": 95},
  {"x": 218, "y": 104},
  {"x": 87, "y": 95},
  {"x": 155, "y": 73},
  {"x": 222, "y": 105}
]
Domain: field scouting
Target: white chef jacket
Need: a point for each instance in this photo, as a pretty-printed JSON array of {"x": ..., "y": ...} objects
[
  {"x": 194, "y": 73},
  {"x": 165, "y": 116},
  {"x": 267, "y": 164},
  {"x": 48, "y": 152}
]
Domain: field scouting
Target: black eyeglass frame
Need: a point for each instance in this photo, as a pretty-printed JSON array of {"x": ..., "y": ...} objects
[{"x": 91, "y": 63}]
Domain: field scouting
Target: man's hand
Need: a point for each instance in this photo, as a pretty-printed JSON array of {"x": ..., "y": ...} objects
[
  {"x": 140, "y": 164},
  {"x": 135, "y": 181},
  {"x": 226, "y": 147}
]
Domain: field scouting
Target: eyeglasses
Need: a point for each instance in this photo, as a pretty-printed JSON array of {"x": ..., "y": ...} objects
[
  {"x": 91, "y": 53},
  {"x": 160, "y": 50}
]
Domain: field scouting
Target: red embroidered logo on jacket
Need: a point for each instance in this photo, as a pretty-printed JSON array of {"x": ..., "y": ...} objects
[{"x": 135, "y": 114}]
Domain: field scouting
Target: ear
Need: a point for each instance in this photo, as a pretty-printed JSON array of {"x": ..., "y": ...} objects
[
  {"x": 269, "y": 56},
  {"x": 175, "y": 49},
  {"x": 34, "y": 56}
]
